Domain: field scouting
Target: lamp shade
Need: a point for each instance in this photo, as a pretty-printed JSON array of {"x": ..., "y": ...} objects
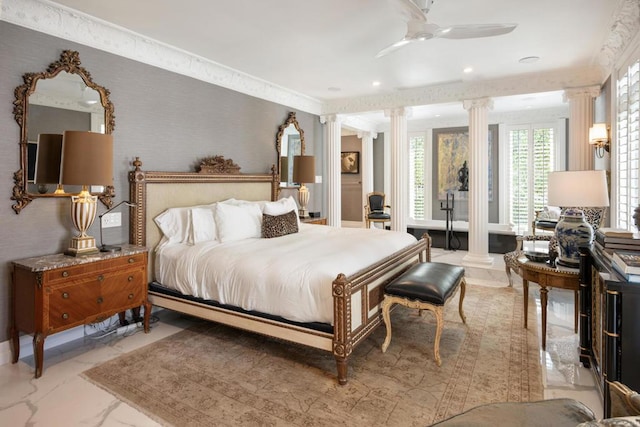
[
  {"x": 578, "y": 189},
  {"x": 304, "y": 169},
  {"x": 284, "y": 169},
  {"x": 87, "y": 158},
  {"x": 48, "y": 158},
  {"x": 598, "y": 133}
]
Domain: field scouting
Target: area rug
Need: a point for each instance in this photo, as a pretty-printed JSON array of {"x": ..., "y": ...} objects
[{"x": 211, "y": 374}]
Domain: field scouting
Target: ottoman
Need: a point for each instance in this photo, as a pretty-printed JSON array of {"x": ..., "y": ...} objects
[{"x": 425, "y": 286}]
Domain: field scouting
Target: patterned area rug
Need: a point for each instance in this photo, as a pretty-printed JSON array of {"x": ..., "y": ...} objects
[{"x": 211, "y": 374}]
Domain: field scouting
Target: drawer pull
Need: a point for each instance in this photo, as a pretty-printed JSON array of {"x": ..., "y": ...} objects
[
  {"x": 100, "y": 300},
  {"x": 65, "y": 316},
  {"x": 130, "y": 296},
  {"x": 65, "y": 295},
  {"x": 100, "y": 278},
  {"x": 65, "y": 273},
  {"x": 130, "y": 278},
  {"x": 132, "y": 260}
]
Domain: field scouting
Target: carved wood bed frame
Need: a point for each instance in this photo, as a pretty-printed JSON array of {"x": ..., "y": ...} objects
[{"x": 356, "y": 299}]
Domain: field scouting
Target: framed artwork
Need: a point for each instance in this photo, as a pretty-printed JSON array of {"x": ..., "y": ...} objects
[
  {"x": 453, "y": 157},
  {"x": 350, "y": 162}
]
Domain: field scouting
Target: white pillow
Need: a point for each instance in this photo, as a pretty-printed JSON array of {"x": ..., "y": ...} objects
[
  {"x": 237, "y": 202},
  {"x": 238, "y": 222},
  {"x": 174, "y": 223},
  {"x": 281, "y": 206},
  {"x": 203, "y": 226}
]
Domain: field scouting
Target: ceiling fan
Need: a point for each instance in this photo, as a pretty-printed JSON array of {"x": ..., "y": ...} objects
[{"x": 418, "y": 29}]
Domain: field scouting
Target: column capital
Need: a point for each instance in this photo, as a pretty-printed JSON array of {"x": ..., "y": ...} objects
[
  {"x": 579, "y": 92},
  {"x": 329, "y": 118},
  {"x": 398, "y": 112},
  {"x": 478, "y": 103},
  {"x": 366, "y": 134}
]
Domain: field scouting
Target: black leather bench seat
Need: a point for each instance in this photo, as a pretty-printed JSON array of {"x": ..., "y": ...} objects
[{"x": 432, "y": 282}]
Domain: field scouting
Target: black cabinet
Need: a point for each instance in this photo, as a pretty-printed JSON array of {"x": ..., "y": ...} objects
[{"x": 609, "y": 324}]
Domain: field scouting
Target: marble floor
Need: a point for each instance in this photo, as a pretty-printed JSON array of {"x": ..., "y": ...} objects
[{"x": 61, "y": 397}]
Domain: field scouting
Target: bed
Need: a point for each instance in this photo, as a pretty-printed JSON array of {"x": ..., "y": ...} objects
[{"x": 353, "y": 294}]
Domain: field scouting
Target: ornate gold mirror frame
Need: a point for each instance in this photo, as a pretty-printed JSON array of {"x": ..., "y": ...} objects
[
  {"x": 69, "y": 62},
  {"x": 284, "y": 131}
]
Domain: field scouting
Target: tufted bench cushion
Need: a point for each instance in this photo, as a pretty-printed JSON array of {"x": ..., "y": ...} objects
[
  {"x": 432, "y": 282},
  {"x": 425, "y": 286}
]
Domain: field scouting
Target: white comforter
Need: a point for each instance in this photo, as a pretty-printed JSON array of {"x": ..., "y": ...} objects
[{"x": 288, "y": 276}]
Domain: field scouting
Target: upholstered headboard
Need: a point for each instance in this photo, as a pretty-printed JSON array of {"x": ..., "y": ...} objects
[{"x": 153, "y": 192}]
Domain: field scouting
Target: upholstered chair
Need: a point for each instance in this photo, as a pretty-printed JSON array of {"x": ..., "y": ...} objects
[{"x": 376, "y": 210}]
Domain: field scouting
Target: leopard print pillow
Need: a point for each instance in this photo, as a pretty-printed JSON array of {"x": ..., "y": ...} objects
[{"x": 279, "y": 225}]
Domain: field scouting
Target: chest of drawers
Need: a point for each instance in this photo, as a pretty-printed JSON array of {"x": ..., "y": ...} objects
[{"x": 53, "y": 293}]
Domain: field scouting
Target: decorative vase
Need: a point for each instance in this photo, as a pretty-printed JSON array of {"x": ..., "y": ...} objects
[{"x": 572, "y": 233}]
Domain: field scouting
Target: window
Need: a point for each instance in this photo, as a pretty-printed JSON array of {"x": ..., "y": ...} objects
[
  {"x": 628, "y": 143},
  {"x": 532, "y": 150},
  {"x": 417, "y": 176}
]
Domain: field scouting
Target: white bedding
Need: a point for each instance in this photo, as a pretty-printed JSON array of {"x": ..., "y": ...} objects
[{"x": 288, "y": 276}]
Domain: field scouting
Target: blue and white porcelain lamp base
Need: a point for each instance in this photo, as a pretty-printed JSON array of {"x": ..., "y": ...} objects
[{"x": 572, "y": 233}]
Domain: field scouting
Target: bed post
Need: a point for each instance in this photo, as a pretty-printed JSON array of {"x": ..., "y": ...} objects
[
  {"x": 342, "y": 345},
  {"x": 427, "y": 251}
]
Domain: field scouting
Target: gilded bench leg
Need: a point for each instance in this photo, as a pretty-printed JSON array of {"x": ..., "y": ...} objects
[
  {"x": 386, "y": 306},
  {"x": 463, "y": 287},
  {"x": 437, "y": 311}
]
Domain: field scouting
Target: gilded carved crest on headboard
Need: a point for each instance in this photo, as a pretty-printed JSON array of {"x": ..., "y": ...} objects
[{"x": 218, "y": 165}]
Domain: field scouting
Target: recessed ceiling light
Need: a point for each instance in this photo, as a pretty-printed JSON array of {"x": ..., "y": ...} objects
[
  {"x": 376, "y": 83},
  {"x": 437, "y": 115},
  {"x": 468, "y": 70},
  {"x": 529, "y": 59},
  {"x": 334, "y": 89}
]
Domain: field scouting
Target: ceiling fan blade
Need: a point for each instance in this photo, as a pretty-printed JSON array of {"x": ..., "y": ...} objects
[
  {"x": 409, "y": 10},
  {"x": 474, "y": 31},
  {"x": 392, "y": 48}
]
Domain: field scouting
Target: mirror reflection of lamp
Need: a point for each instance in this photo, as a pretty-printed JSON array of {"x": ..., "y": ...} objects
[
  {"x": 87, "y": 159},
  {"x": 284, "y": 169},
  {"x": 304, "y": 172},
  {"x": 49, "y": 155}
]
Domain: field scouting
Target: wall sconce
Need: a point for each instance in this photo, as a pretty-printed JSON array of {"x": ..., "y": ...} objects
[{"x": 599, "y": 137}]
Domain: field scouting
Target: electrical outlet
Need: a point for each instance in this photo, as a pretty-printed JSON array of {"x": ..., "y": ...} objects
[{"x": 112, "y": 219}]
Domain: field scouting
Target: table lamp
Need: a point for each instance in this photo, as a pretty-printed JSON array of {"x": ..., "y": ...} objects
[
  {"x": 576, "y": 192},
  {"x": 304, "y": 171},
  {"x": 48, "y": 162},
  {"x": 87, "y": 159}
]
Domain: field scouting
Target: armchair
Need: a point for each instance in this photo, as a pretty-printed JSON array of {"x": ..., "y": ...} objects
[{"x": 374, "y": 210}]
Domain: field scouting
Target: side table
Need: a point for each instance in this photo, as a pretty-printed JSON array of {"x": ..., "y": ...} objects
[
  {"x": 548, "y": 277},
  {"x": 56, "y": 292}
]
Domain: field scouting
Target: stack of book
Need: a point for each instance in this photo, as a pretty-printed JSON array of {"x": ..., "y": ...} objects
[
  {"x": 609, "y": 240},
  {"x": 627, "y": 264}
]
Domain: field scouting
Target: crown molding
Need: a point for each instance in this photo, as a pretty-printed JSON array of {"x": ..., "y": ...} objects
[{"x": 60, "y": 21}]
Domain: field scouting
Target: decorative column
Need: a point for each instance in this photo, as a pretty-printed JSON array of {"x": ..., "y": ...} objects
[
  {"x": 581, "y": 156},
  {"x": 366, "y": 163},
  {"x": 478, "y": 253},
  {"x": 399, "y": 201},
  {"x": 333, "y": 179}
]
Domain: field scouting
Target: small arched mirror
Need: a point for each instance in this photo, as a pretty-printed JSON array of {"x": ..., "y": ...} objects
[
  {"x": 64, "y": 97},
  {"x": 289, "y": 143}
]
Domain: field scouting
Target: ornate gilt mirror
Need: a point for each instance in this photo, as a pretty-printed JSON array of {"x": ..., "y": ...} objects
[
  {"x": 63, "y": 97},
  {"x": 289, "y": 143}
]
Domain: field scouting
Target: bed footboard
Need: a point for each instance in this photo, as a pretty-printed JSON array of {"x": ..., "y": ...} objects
[{"x": 356, "y": 300}]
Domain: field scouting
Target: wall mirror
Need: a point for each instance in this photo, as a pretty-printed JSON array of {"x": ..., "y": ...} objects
[
  {"x": 289, "y": 143},
  {"x": 63, "y": 97}
]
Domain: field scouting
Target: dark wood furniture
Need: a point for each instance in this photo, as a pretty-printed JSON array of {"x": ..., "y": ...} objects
[
  {"x": 609, "y": 324},
  {"x": 53, "y": 293},
  {"x": 547, "y": 277}
]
